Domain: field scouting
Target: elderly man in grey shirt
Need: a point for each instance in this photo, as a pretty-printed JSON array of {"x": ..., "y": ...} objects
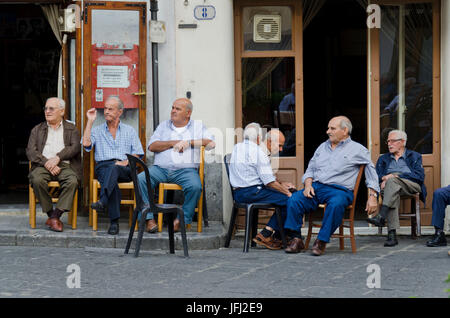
[{"x": 330, "y": 179}]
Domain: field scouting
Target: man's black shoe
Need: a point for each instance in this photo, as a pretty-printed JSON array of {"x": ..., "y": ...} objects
[
  {"x": 437, "y": 240},
  {"x": 113, "y": 228},
  {"x": 98, "y": 206},
  {"x": 377, "y": 220},
  {"x": 391, "y": 239}
]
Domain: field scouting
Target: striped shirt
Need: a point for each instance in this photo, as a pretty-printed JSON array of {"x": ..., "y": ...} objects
[
  {"x": 107, "y": 148},
  {"x": 250, "y": 165}
]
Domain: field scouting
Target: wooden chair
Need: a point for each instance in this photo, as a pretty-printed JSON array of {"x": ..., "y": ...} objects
[
  {"x": 172, "y": 186},
  {"x": 95, "y": 187},
  {"x": 350, "y": 219},
  {"x": 413, "y": 214},
  {"x": 53, "y": 185}
]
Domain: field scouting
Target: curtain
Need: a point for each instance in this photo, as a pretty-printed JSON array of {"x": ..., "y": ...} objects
[
  {"x": 51, "y": 12},
  {"x": 310, "y": 10}
]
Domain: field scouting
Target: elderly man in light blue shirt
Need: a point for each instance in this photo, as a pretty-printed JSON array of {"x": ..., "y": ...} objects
[
  {"x": 176, "y": 144},
  {"x": 330, "y": 179}
]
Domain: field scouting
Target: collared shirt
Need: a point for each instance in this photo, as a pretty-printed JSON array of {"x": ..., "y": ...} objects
[
  {"x": 340, "y": 166},
  {"x": 55, "y": 142},
  {"x": 107, "y": 148},
  {"x": 398, "y": 166},
  {"x": 250, "y": 165},
  {"x": 171, "y": 159}
]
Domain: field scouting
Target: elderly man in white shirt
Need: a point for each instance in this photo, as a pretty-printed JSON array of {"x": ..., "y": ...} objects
[
  {"x": 176, "y": 144},
  {"x": 252, "y": 178}
]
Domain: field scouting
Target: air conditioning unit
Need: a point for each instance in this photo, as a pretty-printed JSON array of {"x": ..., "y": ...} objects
[
  {"x": 267, "y": 28},
  {"x": 67, "y": 20}
]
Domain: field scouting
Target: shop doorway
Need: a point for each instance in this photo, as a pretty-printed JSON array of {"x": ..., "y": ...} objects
[
  {"x": 335, "y": 75},
  {"x": 29, "y": 59}
]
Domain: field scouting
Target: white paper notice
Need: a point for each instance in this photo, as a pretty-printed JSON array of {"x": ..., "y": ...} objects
[{"x": 112, "y": 76}]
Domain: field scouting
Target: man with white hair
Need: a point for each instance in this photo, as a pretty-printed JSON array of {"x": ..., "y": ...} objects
[
  {"x": 252, "y": 178},
  {"x": 330, "y": 178},
  {"x": 55, "y": 155},
  {"x": 400, "y": 173},
  {"x": 112, "y": 140}
]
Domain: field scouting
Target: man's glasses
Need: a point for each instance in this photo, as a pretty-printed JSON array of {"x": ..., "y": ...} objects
[
  {"x": 49, "y": 109},
  {"x": 390, "y": 141}
]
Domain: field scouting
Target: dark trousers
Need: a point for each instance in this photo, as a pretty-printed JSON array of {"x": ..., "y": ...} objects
[
  {"x": 336, "y": 198},
  {"x": 261, "y": 194},
  {"x": 441, "y": 198},
  {"x": 109, "y": 175}
]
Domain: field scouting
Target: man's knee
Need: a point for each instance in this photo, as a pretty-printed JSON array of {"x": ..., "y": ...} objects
[
  {"x": 440, "y": 194},
  {"x": 194, "y": 186}
]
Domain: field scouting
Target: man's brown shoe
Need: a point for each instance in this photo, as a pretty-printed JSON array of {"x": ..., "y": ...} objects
[
  {"x": 47, "y": 223},
  {"x": 295, "y": 245},
  {"x": 152, "y": 227},
  {"x": 318, "y": 247},
  {"x": 269, "y": 242},
  {"x": 56, "y": 225},
  {"x": 176, "y": 225}
]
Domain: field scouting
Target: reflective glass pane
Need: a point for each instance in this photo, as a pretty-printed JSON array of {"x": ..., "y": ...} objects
[
  {"x": 268, "y": 96},
  {"x": 406, "y": 68},
  {"x": 267, "y": 28},
  {"x": 116, "y": 28}
]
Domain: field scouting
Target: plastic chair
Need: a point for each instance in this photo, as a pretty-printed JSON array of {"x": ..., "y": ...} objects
[
  {"x": 350, "y": 219},
  {"x": 171, "y": 210},
  {"x": 172, "y": 186},
  {"x": 53, "y": 185},
  {"x": 251, "y": 215},
  {"x": 413, "y": 215},
  {"x": 93, "y": 197}
]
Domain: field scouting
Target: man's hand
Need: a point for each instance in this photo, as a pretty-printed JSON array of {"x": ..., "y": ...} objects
[
  {"x": 52, "y": 163},
  {"x": 122, "y": 163},
  {"x": 309, "y": 191},
  {"x": 372, "y": 205},
  {"x": 55, "y": 171},
  {"x": 91, "y": 114},
  {"x": 181, "y": 146},
  {"x": 388, "y": 176}
]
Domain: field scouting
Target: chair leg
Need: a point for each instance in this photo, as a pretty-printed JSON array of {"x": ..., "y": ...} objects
[
  {"x": 32, "y": 205},
  {"x": 234, "y": 213},
  {"x": 183, "y": 232},
  {"x": 170, "y": 218},
  {"x": 310, "y": 227},
  {"x": 94, "y": 212},
  {"x": 141, "y": 233},
  {"x": 341, "y": 239},
  {"x": 75, "y": 210},
  {"x": 417, "y": 203},
  {"x": 132, "y": 229},
  {"x": 280, "y": 225},
  {"x": 352, "y": 236},
  {"x": 254, "y": 226},
  {"x": 160, "y": 215},
  {"x": 200, "y": 214},
  {"x": 248, "y": 221}
]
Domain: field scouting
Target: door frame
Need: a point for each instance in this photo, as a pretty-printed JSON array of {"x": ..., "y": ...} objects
[
  {"x": 296, "y": 52},
  {"x": 429, "y": 160}
]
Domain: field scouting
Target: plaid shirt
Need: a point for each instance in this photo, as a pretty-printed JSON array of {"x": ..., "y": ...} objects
[{"x": 107, "y": 148}]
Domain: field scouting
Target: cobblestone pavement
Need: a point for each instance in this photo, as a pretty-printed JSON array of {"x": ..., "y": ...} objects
[{"x": 408, "y": 270}]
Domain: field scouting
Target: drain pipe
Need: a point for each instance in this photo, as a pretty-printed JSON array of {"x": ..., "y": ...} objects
[{"x": 155, "y": 83}]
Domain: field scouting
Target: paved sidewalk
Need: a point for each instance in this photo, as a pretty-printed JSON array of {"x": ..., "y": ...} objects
[{"x": 408, "y": 270}]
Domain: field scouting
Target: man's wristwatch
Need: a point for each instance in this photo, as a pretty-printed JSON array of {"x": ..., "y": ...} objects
[
  {"x": 373, "y": 195},
  {"x": 191, "y": 144}
]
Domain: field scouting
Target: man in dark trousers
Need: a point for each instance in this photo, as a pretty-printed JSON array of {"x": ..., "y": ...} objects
[{"x": 55, "y": 154}]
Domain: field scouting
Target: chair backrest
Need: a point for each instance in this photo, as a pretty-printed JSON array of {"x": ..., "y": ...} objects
[
  {"x": 226, "y": 160},
  {"x": 134, "y": 162},
  {"x": 355, "y": 189}
]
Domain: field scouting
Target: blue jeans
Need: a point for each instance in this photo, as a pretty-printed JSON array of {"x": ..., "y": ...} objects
[
  {"x": 187, "y": 178},
  {"x": 441, "y": 198},
  {"x": 261, "y": 194},
  {"x": 337, "y": 199}
]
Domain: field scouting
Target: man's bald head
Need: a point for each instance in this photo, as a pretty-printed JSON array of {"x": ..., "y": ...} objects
[{"x": 274, "y": 141}]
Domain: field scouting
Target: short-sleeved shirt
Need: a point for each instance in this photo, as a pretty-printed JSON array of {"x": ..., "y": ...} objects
[
  {"x": 250, "y": 165},
  {"x": 107, "y": 148},
  {"x": 171, "y": 159}
]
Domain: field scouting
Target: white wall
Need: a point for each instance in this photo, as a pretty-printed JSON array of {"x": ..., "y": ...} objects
[{"x": 445, "y": 99}]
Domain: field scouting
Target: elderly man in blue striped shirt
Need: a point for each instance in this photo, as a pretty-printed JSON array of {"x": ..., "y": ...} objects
[
  {"x": 330, "y": 179},
  {"x": 176, "y": 144},
  {"x": 112, "y": 141}
]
